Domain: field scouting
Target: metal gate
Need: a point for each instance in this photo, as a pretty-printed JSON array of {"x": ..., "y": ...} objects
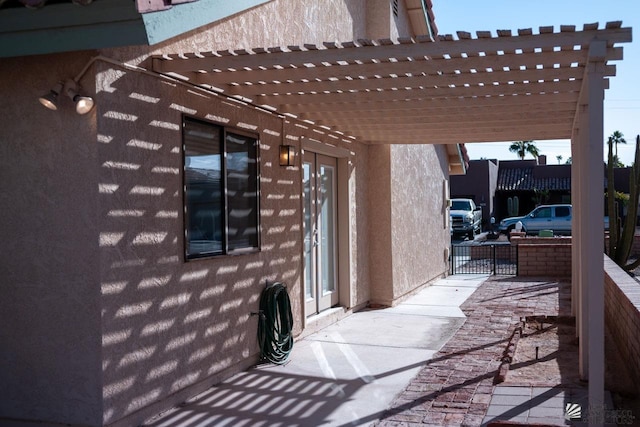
[{"x": 496, "y": 259}]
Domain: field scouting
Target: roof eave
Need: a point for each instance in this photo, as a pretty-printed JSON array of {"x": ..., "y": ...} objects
[{"x": 66, "y": 27}]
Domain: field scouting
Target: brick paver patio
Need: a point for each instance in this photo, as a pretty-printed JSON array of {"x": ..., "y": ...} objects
[{"x": 456, "y": 386}]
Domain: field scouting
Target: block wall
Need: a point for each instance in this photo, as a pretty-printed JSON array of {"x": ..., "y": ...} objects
[
  {"x": 622, "y": 315},
  {"x": 544, "y": 259}
]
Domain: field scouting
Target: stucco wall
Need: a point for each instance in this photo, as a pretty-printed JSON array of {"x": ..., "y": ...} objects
[
  {"x": 92, "y": 222},
  {"x": 288, "y": 22},
  {"x": 169, "y": 324},
  {"x": 102, "y": 316},
  {"x": 276, "y": 23},
  {"x": 49, "y": 309},
  {"x": 419, "y": 235},
  {"x": 409, "y": 236},
  {"x": 380, "y": 224}
]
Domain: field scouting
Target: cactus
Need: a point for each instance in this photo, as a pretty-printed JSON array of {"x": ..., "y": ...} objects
[
  {"x": 621, "y": 235},
  {"x": 513, "y": 206}
]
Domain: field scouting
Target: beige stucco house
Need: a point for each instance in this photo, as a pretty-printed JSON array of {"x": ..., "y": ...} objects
[{"x": 139, "y": 236}]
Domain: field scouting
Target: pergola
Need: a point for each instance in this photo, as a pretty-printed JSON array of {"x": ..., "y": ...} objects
[{"x": 548, "y": 85}]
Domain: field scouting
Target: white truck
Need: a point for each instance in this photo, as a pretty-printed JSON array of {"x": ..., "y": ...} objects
[{"x": 466, "y": 217}]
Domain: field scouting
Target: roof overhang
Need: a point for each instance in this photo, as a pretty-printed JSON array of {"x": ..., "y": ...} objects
[
  {"x": 64, "y": 27},
  {"x": 421, "y": 17},
  {"x": 448, "y": 91},
  {"x": 457, "y": 158}
]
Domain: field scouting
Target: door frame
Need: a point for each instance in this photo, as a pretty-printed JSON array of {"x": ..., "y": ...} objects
[
  {"x": 319, "y": 237},
  {"x": 343, "y": 202}
]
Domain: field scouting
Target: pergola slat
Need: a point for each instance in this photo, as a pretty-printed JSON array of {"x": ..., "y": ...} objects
[
  {"x": 402, "y": 50},
  {"x": 477, "y": 122},
  {"x": 516, "y": 100},
  {"x": 444, "y": 137},
  {"x": 425, "y": 93},
  {"x": 564, "y": 59},
  {"x": 440, "y": 81},
  {"x": 514, "y": 85},
  {"x": 355, "y": 117}
]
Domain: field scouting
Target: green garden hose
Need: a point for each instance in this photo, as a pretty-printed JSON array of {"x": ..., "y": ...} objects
[{"x": 276, "y": 324}]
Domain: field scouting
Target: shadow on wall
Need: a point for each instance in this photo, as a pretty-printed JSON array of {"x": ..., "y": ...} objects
[{"x": 166, "y": 323}]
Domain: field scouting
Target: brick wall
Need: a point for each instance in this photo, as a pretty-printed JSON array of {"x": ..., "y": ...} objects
[
  {"x": 622, "y": 315},
  {"x": 544, "y": 259}
]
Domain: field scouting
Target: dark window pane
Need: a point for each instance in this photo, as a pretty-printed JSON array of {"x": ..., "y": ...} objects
[
  {"x": 203, "y": 186},
  {"x": 543, "y": 213},
  {"x": 242, "y": 192},
  {"x": 562, "y": 211}
]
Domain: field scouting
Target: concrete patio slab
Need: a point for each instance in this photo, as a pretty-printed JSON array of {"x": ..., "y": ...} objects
[
  {"x": 383, "y": 329},
  {"x": 443, "y": 295},
  {"x": 344, "y": 375}
]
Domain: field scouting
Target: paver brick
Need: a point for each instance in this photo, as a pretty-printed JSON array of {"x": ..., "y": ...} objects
[{"x": 458, "y": 382}]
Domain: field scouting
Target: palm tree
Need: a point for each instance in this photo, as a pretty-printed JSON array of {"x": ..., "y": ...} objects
[
  {"x": 617, "y": 138},
  {"x": 559, "y": 158},
  {"x": 521, "y": 148}
]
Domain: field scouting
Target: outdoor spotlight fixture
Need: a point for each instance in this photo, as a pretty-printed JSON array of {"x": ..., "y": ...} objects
[
  {"x": 287, "y": 155},
  {"x": 70, "y": 88},
  {"x": 50, "y": 99}
]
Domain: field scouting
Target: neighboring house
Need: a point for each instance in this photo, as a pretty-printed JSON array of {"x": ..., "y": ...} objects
[
  {"x": 139, "y": 236},
  {"x": 534, "y": 182},
  {"x": 479, "y": 184}
]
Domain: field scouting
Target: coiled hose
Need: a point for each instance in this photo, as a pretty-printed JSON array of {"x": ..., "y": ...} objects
[{"x": 275, "y": 324}]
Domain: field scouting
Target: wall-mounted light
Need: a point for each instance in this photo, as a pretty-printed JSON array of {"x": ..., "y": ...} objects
[
  {"x": 83, "y": 103},
  {"x": 287, "y": 155},
  {"x": 50, "y": 99}
]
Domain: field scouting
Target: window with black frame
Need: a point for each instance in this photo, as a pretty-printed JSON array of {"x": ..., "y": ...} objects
[{"x": 220, "y": 190}]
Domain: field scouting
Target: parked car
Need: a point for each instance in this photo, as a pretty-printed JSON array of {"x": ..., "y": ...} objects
[
  {"x": 545, "y": 217},
  {"x": 466, "y": 217}
]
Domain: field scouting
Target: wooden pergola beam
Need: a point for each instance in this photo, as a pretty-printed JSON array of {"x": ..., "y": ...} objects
[{"x": 370, "y": 51}]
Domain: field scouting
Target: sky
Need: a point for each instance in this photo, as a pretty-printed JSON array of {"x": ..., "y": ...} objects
[{"x": 622, "y": 99}]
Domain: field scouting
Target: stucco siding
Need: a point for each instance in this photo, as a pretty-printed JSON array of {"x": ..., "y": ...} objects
[
  {"x": 104, "y": 322},
  {"x": 170, "y": 324},
  {"x": 359, "y": 269},
  {"x": 400, "y": 25},
  {"x": 380, "y": 224},
  {"x": 286, "y": 23},
  {"x": 419, "y": 235},
  {"x": 406, "y": 208},
  {"x": 93, "y": 224},
  {"x": 49, "y": 310},
  {"x": 277, "y": 23}
]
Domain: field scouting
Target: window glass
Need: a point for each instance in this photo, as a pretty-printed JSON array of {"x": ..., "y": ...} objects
[
  {"x": 220, "y": 191},
  {"x": 542, "y": 213},
  {"x": 203, "y": 188},
  {"x": 563, "y": 211},
  {"x": 460, "y": 205},
  {"x": 242, "y": 191}
]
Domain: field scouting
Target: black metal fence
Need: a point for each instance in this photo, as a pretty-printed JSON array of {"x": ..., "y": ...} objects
[{"x": 496, "y": 259}]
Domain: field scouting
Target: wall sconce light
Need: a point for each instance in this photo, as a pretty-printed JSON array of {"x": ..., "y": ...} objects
[
  {"x": 287, "y": 155},
  {"x": 83, "y": 103}
]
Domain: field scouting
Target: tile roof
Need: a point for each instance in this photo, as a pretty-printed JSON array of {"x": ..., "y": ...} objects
[{"x": 524, "y": 179}]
